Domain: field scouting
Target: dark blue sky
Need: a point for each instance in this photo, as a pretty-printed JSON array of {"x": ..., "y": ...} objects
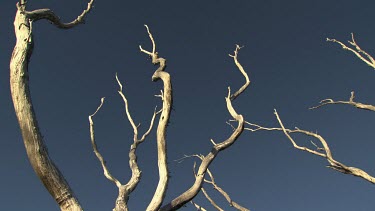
[{"x": 291, "y": 67}]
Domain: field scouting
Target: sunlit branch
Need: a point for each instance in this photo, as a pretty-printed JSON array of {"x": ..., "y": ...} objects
[
  {"x": 361, "y": 54},
  {"x": 350, "y": 102},
  {"x": 239, "y": 66},
  {"x": 107, "y": 174},
  {"x": 222, "y": 192},
  {"x": 49, "y": 15},
  {"x": 127, "y": 189},
  {"x": 198, "y": 207},
  {"x": 36, "y": 150},
  {"x": 323, "y": 151},
  {"x": 189, "y": 194},
  {"x": 215, "y": 186},
  {"x": 166, "y": 96}
]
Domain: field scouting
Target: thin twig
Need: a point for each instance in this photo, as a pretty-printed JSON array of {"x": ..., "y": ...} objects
[
  {"x": 350, "y": 102},
  {"x": 107, "y": 174}
]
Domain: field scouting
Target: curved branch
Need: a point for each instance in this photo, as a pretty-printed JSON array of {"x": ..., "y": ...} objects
[
  {"x": 189, "y": 194},
  {"x": 247, "y": 83},
  {"x": 323, "y": 151},
  {"x": 166, "y": 96},
  {"x": 350, "y": 102},
  {"x": 36, "y": 149},
  {"x": 49, "y": 15}
]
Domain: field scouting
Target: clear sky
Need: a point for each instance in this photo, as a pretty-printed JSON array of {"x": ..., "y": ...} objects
[{"x": 291, "y": 67}]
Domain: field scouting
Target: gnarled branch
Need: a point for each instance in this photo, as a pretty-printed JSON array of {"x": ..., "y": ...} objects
[
  {"x": 49, "y": 15},
  {"x": 166, "y": 96},
  {"x": 36, "y": 149}
]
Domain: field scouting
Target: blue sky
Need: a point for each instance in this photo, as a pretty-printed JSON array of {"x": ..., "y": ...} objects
[{"x": 291, "y": 67}]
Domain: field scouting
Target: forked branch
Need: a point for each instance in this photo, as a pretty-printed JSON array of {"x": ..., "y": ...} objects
[
  {"x": 189, "y": 194},
  {"x": 216, "y": 187},
  {"x": 349, "y": 102},
  {"x": 361, "y": 54},
  {"x": 129, "y": 187},
  {"x": 322, "y": 151}
]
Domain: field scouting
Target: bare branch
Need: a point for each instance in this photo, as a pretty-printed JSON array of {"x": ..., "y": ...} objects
[
  {"x": 225, "y": 194},
  {"x": 189, "y": 194},
  {"x": 216, "y": 187},
  {"x": 166, "y": 96},
  {"x": 361, "y": 54},
  {"x": 323, "y": 151},
  {"x": 107, "y": 174},
  {"x": 49, "y": 15},
  {"x": 247, "y": 83},
  {"x": 211, "y": 200},
  {"x": 36, "y": 150},
  {"x": 200, "y": 208},
  {"x": 123, "y": 190},
  {"x": 350, "y": 102}
]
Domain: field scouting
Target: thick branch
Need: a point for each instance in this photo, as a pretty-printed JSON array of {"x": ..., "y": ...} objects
[
  {"x": 361, "y": 54},
  {"x": 350, "y": 102},
  {"x": 166, "y": 96},
  {"x": 189, "y": 194},
  {"x": 54, "y": 19},
  {"x": 36, "y": 150},
  {"x": 323, "y": 151}
]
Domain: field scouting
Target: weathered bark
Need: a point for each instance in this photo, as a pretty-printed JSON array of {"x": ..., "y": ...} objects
[
  {"x": 36, "y": 150},
  {"x": 166, "y": 96}
]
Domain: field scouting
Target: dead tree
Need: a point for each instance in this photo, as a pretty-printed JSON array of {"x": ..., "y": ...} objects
[
  {"x": 36, "y": 150},
  {"x": 322, "y": 149}
]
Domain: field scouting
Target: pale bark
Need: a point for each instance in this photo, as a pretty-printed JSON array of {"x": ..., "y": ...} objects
[
  {"x": 166, "y": 96},
  {"x": 356, "y": 50},
  {"x": 189, "y": 194},
  {"x": 322, "y": 151},
  {"x": 123, "y": 190},
  {"x": 349, "y": 102},
  {"x": 36, "y": 150}
]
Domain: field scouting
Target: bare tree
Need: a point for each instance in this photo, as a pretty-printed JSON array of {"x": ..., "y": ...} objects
[
  {"x": 48, "y": 172},
  {"x": 323, "y": 149}
]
